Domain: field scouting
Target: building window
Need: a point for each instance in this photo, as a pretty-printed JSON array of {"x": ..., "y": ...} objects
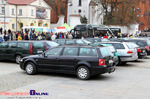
[
  {"x": 3, "y": 10},
  {"x": 13, "y": 26},
  {"x": 32, "y": 12},
  {"x": 20, "y": 11},
  {"x": 80, "y": 3},
  {"x": 13, "y": 12}
]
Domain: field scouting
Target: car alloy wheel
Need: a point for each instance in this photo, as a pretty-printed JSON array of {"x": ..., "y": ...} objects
[
  {"x": 30, "y": 68},
  {"x": 83, "y": 73},
  {"x": 18, "y": 58}
]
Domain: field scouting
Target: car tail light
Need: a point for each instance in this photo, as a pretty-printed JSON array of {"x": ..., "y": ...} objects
[
  {"x": 101, "y": 62},
  {"x": 129, "y": 52},
  {"x": 147, "y": 47},
  {"x": 139, "y": 50},
  {"x": 31, "y": 48}
]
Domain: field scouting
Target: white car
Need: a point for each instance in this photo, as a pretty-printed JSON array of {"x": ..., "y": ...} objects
[{"x": 126, "y": 51}]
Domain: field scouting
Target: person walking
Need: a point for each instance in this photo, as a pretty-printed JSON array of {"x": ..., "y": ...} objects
[
  {"x": 6, "y": 37},
  {"x": 19, "y": 37},
  {"x": 26, "y": 37},
  {"x": 53, "y": 37},
  {"x": 14, "y": 36}
]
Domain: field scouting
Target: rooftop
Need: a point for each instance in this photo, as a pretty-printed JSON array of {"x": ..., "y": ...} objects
[{"x": 20, "y": 2}]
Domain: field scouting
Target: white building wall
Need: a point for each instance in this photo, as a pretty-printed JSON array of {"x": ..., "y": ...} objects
[
  {"x": 93, "y": 15},
  {"x": 73, "y": 8}
]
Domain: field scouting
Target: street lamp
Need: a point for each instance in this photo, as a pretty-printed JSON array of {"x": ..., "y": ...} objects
[{"x": 4, "y": 3}]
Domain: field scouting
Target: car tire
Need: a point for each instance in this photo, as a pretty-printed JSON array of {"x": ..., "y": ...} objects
[
  {"x": 18, "y": 58},
  {"x": 30, "y": 68},
  {"x": 83, "y": 73},
  {"x": 119, "y": 61}
]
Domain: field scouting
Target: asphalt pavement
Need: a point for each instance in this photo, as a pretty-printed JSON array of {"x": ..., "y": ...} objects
[{"x": 131, "y": 81}]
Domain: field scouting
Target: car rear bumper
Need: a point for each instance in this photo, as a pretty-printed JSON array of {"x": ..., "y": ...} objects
[
  {"x": 128, "y": 58},
  {"x": 102, "y": 69},
  {"x": 142, "y": 55}
]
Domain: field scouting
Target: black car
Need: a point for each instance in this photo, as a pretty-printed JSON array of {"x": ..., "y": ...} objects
[
  {"x": 142, "y": 43},
  {"x": 72, "y": 42},
  {"x": 95, "y": 40},
  {"x": 83, "y": 61},
  {"x": 15, "y": 50}
]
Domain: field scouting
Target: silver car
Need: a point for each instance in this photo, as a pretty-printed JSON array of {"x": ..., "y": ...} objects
[{"x": 126, "y": 51}]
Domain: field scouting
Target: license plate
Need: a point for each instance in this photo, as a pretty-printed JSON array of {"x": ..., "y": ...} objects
[
  {"x": 39, "y": 51},
  {"x": 110, "y": 61}
]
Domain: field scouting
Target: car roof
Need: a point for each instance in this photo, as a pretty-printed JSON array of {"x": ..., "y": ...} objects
[{"x": 88, "y": 46}]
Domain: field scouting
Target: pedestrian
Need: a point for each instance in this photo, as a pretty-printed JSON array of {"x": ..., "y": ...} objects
[
  {"x": 39, "y": 37},
  {"x": 14, "y": 36},
  {"x": 1, "y": 29},
  {"x": 30, "y": 33},
  {"x": 70, "y": 36},
  {"x": 6, "y": 37},
  {"x": 53, "y": 37},
  {"x": 26, "y": 37},
  {"x": 19, "y": 37}
]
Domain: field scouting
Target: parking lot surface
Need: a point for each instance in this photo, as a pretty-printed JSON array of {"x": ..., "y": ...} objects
[{"x": 131, "y": 81}]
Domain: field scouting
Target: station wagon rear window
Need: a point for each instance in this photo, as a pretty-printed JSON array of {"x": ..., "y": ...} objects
[
  {"x": 88, "y": 52},
  {"x": 38, "y": 44},
  {"x": 105, "y": 51}
]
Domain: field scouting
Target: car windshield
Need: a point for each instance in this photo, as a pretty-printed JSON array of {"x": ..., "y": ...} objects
[
  {"x": 53, "y": 44},
  {"x": 105, "y": 51}
]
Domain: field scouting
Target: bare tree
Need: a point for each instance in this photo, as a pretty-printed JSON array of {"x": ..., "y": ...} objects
[
  {"x": 60, "y": 6},
  {"x": 121, "y": 11}
]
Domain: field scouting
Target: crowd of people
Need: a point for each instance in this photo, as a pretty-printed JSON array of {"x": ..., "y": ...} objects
[{"x": 31, "y": 34}]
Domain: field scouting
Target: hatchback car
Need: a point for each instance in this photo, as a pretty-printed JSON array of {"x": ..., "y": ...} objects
[
  {"x": 72, "y": 42},
  {"x": 83, "y": 61},
  {"x": 15, "y": 50},
  {"x": 142, "y": 43},
  {"x": 125, "y": 53}
]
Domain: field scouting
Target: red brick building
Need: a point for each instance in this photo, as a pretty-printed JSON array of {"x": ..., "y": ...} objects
[{"x": 143, "y": 14}]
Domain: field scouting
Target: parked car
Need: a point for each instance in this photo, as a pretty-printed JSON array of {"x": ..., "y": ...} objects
[
  {"x": 111, "y": 48},
  {"x": 15, "y": 50},
  {"x": 140, "y": 50},
  {"x": 72, "y": 42},
  {"x": 142, "y": 43},
  {"x": 125, "y": 53},
  {"x": 83, "y": 61},
  {"x": 94, "y": 40}
]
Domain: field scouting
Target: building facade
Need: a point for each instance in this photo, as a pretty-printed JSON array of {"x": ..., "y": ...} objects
[
  {"x": 87, "y": 8},
  {"x": 143, "y": 14},
  {"x": 15, "y": 14}
]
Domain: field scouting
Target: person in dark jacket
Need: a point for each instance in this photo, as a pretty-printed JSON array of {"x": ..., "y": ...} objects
[
  {"x": 26, "y": 37},
  {"x": 6, "y": 37}
]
